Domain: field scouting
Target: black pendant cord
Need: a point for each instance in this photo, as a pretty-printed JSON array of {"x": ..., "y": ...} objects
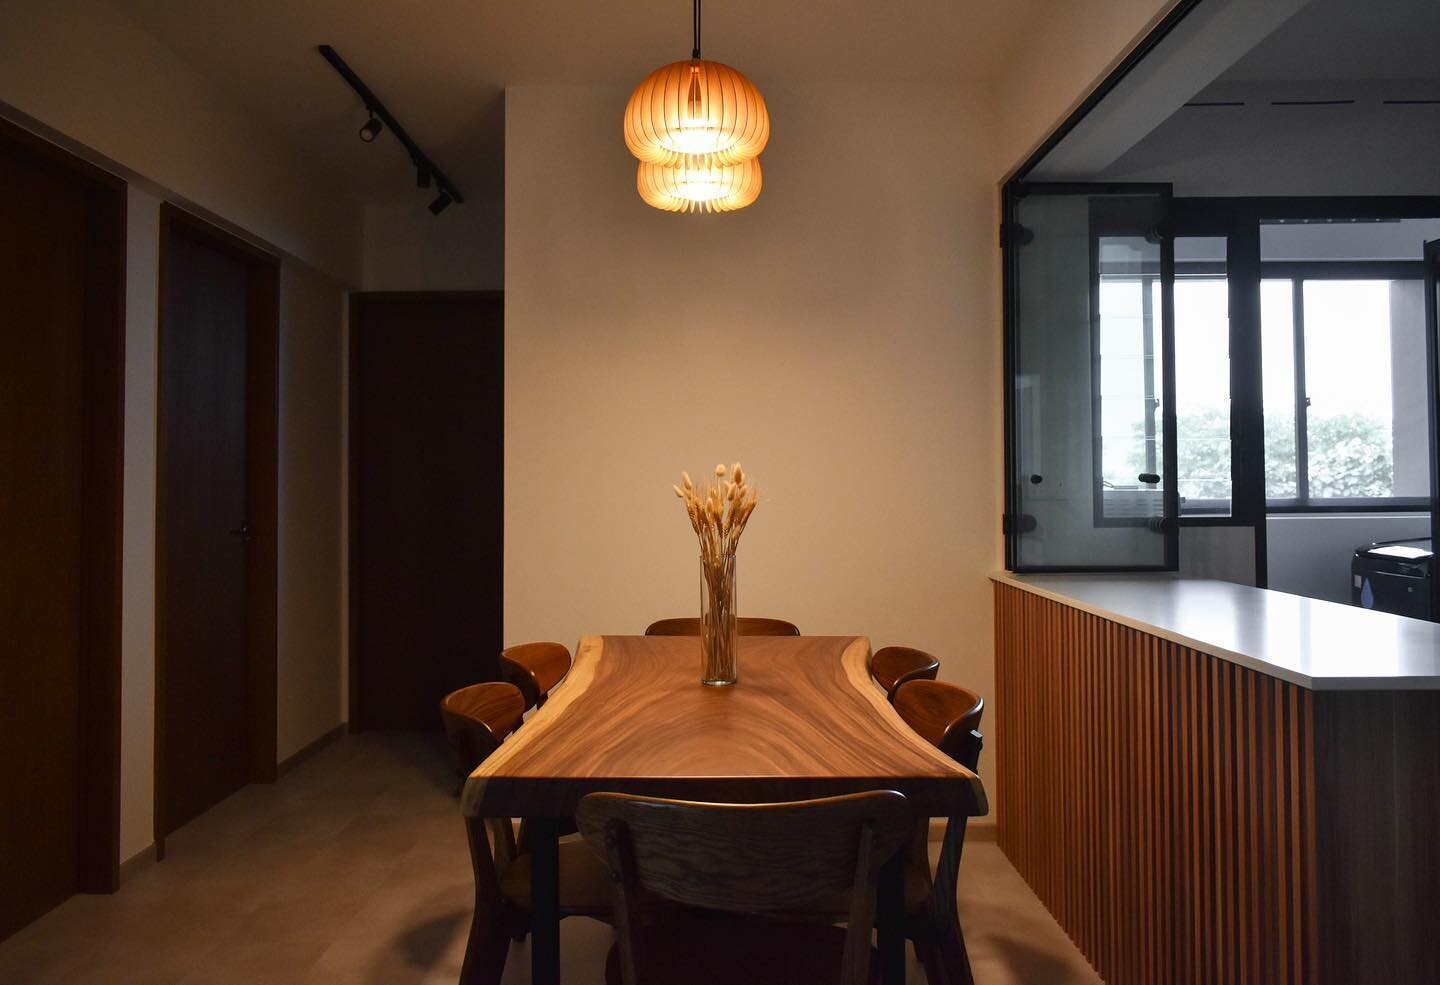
[{"x": 695, "y": 53}]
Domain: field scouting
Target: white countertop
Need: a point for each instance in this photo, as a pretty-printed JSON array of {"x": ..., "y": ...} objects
[{"x": 1323, "y": 646}]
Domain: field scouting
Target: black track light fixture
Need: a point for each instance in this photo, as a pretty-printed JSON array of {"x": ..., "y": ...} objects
[
  {"x": 381, "y": 119},
  {"x": 371, "y": 129}
]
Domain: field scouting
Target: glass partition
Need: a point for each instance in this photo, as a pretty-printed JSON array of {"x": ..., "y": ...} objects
[{"x": 1092, "y": 424}]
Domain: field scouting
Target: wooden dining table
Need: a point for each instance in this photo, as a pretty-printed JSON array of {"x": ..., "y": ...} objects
[{"x": 803, "y": 720}]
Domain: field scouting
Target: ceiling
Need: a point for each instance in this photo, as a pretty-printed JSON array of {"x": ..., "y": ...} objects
[
  {"x": 441, "y": 66},
  {"x": 1343, "y": 40}
]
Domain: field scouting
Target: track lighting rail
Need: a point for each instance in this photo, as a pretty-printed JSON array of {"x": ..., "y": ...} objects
[{"x": 425, "y": 169}]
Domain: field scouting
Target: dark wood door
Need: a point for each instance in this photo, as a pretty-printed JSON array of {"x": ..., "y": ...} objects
[
  {"x": 62, "y": 227},
  {"x": 202, "y": 515},
  {"x": 42, "y": 286},
  {"x": 427, "y": 432}
]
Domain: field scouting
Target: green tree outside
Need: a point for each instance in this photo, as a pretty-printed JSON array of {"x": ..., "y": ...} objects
[{"x": 1351, "y": 456}]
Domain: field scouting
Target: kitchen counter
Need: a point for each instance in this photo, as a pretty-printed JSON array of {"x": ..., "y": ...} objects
[
  {"x": 1322, "y": 646},
  {"x": 1209, "y": 783}
]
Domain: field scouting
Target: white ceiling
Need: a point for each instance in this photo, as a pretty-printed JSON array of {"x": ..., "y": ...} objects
[
  {"x": 1338, "y": 40},
  {"x": 1345, "y": 61},
  {"x": 440, "y": 66}
]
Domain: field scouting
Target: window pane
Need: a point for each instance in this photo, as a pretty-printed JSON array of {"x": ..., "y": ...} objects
[
  {"x": 1364, "y": 377},
  {"x": 1202, "y": 375},
  {"x": 1277, "y": 341},
  {"x": 1065, "y": 356},
  {"x": 1131, "y": 442}
]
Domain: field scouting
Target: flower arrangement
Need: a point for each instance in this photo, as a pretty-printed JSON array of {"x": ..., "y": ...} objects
[{"x": 718, "y": 514}]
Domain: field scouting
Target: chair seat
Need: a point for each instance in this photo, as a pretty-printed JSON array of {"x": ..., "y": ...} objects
[
  {"x": 584, "y": 882},
  {"x": 739, "y": 951}
]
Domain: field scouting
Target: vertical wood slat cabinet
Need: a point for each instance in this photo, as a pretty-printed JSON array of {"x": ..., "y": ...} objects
[{"x": 1190, "y": 820}]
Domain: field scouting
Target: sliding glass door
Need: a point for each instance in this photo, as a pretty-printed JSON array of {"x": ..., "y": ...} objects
[{"x": 1091, "y": 482}]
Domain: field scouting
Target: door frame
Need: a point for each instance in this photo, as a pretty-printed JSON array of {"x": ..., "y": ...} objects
[
  {"x": 102, "y": 522},
  {"x": 352, "y": 455},
  {"x": 261, "y": 499}
]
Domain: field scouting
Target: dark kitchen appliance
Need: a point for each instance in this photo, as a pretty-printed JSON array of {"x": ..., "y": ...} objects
[{"x": 1393, "y": 576}]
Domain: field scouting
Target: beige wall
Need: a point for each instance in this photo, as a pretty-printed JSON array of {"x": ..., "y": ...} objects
[
  {"x": 408, "y": 249},
  {"x": 838, "y": 338},
  {"x": 137, "y": 578},
  {"x": 85, "y": 70},
  {"x": 312, "y": 460}
]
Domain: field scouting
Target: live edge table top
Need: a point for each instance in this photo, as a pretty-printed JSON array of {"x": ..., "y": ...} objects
[{"x": 804, "y": 720}]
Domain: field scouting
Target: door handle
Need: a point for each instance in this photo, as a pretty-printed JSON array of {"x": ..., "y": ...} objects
[
  {"x": 1149, "y": 478},
  {"x": 243, "y": 532}
]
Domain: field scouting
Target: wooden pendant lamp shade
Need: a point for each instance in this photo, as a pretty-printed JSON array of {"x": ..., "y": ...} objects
[
  {"x": 697, "y": 128},
  {"x": 693, "y": 109},
  {"x": 695, "y": 187}
]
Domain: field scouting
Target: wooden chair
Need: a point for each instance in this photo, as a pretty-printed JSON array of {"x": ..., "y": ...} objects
[
  {"x": 477, "y": 719},
  {"x": 948, "y": 717},
  {"x": 535, "y": 668},
  {"x": 745, "y": 625},
  {"x": 742, "y": 861},
  {"x": 892, "y": 666}
]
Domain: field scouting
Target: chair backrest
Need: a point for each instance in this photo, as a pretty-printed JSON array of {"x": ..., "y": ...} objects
[
  {"x": 945, "y": 715},
  {"x": 892, "y": 666},
  {"x": 535, "y": 668},
  {"x": 747, "y": 858},
  {"x": 477, "y": 719},
  {"x": 745, "y": 626},
  {"x": 948, "y": 717}
]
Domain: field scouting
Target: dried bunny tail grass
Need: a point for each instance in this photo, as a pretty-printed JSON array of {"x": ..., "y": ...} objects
[{"x": 719, "y": 510}]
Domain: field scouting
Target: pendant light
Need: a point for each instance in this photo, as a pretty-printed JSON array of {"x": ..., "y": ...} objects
[
  {"x": 693, "y": 186},
  {"x": 697, "y": 128}
]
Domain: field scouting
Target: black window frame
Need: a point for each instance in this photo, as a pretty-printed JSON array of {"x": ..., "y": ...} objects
[{"x": 1297, "y": 272}]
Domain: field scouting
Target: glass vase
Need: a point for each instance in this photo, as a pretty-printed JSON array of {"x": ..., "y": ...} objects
[{"x": 718, "y": 631}]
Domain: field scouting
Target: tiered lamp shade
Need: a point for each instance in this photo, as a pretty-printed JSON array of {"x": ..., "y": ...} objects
[
  {"x": 696, "y": 108},
  {"x": 692, "y": 185}
]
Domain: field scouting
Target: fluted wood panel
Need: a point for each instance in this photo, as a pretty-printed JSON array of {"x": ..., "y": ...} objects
[
  {"x": 1190, "y": 820},
  {"x": 1158, "y": 800}
]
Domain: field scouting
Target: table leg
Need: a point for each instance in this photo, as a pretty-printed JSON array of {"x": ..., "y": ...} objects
[
  {"x": 544, "y": 833},
  {"x": 891, "y": 920}
]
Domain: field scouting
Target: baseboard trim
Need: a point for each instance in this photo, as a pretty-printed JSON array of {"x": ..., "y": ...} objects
[
  {"x": 979, "y": 829},
  {"x": 137, "y": 863},
  {"x": 294, "y": 760}
]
